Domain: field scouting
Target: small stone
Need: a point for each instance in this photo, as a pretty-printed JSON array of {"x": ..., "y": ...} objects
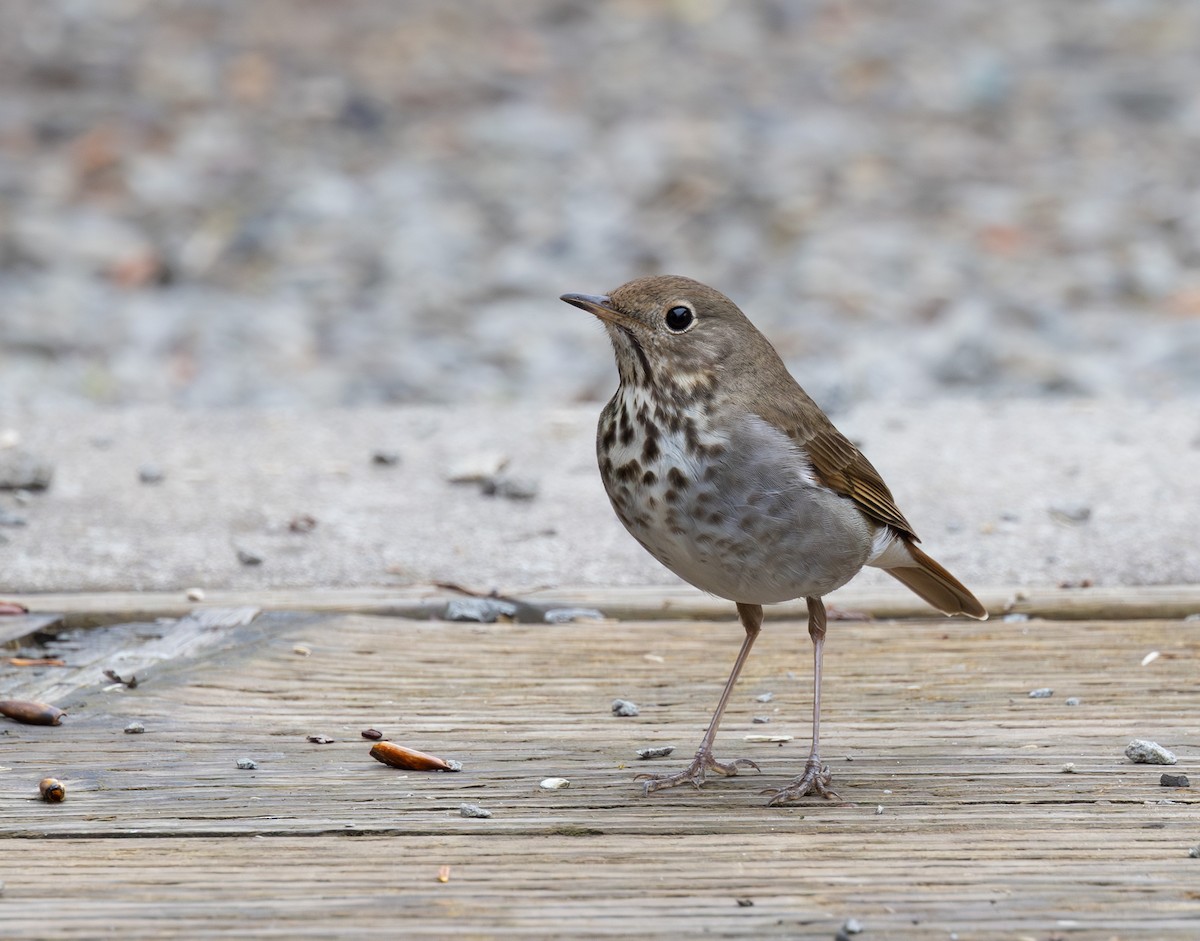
[
  {"x": 247, "y": 764},
  {"x": 570, "y": 615},
  {"x": 1194, "y": 852},
  {"x": 476, "y": 468},
  {"x": 134, "y": 728},
  {"x": 879, "y": 810},
  {"x": 385, "y": 458},
  {"x": 151, "y": 474},
  {"x": 248, "y": 558},
  {"x": 761, "y": 720},
  {"x": 195, "y": 594},
  {"x": 473, "y": 810},
  {"x": 481, "y": 610},
  {"x": 320, "y": 739},
  {"x": 853, "y": 926},
  {"x": 744, "y": 903},
  {"x": 302, "y": 650},
  {"x": 764, "y": 697},
  {"x": 373, "y": 735},
  {"x": 22, "y": 470},
  {"x": 661, "y": 752},
  {"x": 1174, "y": 780},
  {"x": 302, "y": 523},
  {"x": 1073, "y": 513},
  {"x": 1068, "y": 767},
  {"x": 623, "y": 707},
  {"x": 511, "y": 488},
  {"x": 1145, "y": 752},
  {"x": 1043, "y": 692},
  {"x": 553, "y": 784},
  {"x": 1073, "y": 700},
  {"x": 1015, "y": 618}
]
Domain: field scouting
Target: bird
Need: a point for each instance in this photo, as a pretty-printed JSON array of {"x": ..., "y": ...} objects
[{"x": 725, "y": 470}]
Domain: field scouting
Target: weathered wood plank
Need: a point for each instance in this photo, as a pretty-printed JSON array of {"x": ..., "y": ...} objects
[{"x": 980, "y": 833}]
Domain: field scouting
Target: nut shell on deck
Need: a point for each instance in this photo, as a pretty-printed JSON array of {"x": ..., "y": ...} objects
[
  {"x": 30, "y": 712},
  {"x": 52, "y": 790},
  {"x": 398, "y": 756}
]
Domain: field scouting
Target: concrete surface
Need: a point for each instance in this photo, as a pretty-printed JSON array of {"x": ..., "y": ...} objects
[{"x": 990, "y": 487}]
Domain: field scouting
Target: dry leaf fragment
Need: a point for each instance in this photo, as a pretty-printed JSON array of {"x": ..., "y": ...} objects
[
  {"x": 36, "y": 662},
  {"x": 397, "y": 756},
  {"x": 30, "y": 712},
  {"x": 52, "y": 790}
]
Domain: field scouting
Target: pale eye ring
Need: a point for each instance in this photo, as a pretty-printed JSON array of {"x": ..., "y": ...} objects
[{"x": 679, "y": 318}]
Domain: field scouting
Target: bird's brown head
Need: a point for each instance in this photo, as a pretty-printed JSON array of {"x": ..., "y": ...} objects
[{"x": 669, "y": 329}]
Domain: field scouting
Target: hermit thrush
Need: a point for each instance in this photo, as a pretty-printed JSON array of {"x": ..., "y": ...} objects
[{"x": 724, "y": 469}]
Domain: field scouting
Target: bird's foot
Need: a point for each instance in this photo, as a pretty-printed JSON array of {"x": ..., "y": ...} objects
[
  {"x": 694, "y": 773},
  {"x": 814, "y": 780}
]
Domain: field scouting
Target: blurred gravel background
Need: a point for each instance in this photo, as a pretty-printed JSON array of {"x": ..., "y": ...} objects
[{"x": 310, "y": 203}]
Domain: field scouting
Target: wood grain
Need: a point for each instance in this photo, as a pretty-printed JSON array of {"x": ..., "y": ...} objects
[{"x": 955, "y": 816}]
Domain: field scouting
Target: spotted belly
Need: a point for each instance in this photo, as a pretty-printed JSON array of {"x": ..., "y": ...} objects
[{"x": 737, "y": 512}]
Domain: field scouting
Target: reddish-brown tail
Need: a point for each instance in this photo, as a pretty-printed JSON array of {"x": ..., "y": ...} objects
[{"x": 928, "y": 579}]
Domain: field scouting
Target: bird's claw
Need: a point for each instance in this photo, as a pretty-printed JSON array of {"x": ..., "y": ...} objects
[
  {"x": 814, "y": 780},
  {"x": 694, "y": 774}
]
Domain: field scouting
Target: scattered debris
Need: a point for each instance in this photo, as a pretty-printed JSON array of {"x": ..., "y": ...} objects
[
  {"x": 879, "y": 810},
  {"x": 476, "y": 468},
  {"x": 30, "y": 712},
  {"x": 302, "y": 523},
  {"x": 320, "y": 739},
  {"x": 1174, "y": 780},
  {"x": 443, "y": 874},
  {"x": 302, "y": 650},
  {"x": 511, "y": 488},
  {"x": 134, "y": 728},
  {"x": 132, "y": 682},
  {"x": 1068, "y": 767},
  {"x": 373, "y": 735},
  {"x": 744, "y": 903},
  {"x": 553, "y": 784},
  {"x": 22, "y": 470},
  {"x": 768, "y": 739},
  {"x": 661, "y": 752},
  {"x": 761, "y": 720},
  {"x": 623, "y": 707},
  {"x": 1150, "y": 658},
  {"x": 1071, "y": 513},
  {"x": 1076, "y": 583},
  {"x": 246, "y": 557},
  {"x": 853, "y": 926},
  {"x": 473, "y": 810},
  {"x": 385, "y": 458},
  {"x": 1194, "y": 852},
  {"x": 1073, "y": 700},
  {"x": 151, "y": 474},
  {"x": 481, "y": 610},
  {"x": 195, "y": 594},
  {"x": 36, "y": 662},
  {"x": 1016, "y": 617},
  {"x": 1043, "y": 692},
  {"x": 569, "y": 615},
  {"x": 397, "y": 756},
  {"x": 1146, "y": 752},
  {"x": 52, "y": 790},
  {"x": 247, "y": 764},
  {"x": 764, "y": 697},
  {"x": 654, "y": 658}
]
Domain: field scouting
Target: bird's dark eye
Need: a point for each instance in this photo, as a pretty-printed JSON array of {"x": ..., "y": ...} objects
[{"x": 679, "y": 319}]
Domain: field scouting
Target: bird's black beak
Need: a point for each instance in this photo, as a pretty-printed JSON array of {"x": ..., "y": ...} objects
[{"x": 601, "y": 306}]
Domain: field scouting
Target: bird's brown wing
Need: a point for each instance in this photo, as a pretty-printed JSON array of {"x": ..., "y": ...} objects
[{"x": 838, "y": 464}]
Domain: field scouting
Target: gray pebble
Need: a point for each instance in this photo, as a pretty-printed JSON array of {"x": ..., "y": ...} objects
[
  {"x": 473, "y": 810},
  {"x": 385, "y": 458},
  {"x": 481, "y": 610},
  {"x": 761, "y": 720},
  {"x": 1174, "y": 780},
  {"x": 134, "y": 728},
  {"x": 764, "y": 697},
  {"x": 1044, "y": 692},
  {"x": 853, "y": 926},
  {"x": 1146, "y": 752},
  {"x": 661, "y": 752},
  {"x": 567, "y": 615},
  {"x": 1073, "y": 700},
  {"x": 21, "y": 470},
  {"x": 623, "y": 707},
  {"x": 511, "y": 488},
  {"x": 246, "y": 557},
  {"x": 151, "y": 474},
  {"x": 1194, "y": 852},
  {"x": 247, "y": 764}
]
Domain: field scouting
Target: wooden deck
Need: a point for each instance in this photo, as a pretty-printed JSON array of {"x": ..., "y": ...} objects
[{"x": 957, "y": 816}]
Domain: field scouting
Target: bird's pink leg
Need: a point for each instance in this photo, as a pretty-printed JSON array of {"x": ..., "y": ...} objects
[
  {"x": 751, "y": 616},
  {"x": 816, "y": 776}
]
